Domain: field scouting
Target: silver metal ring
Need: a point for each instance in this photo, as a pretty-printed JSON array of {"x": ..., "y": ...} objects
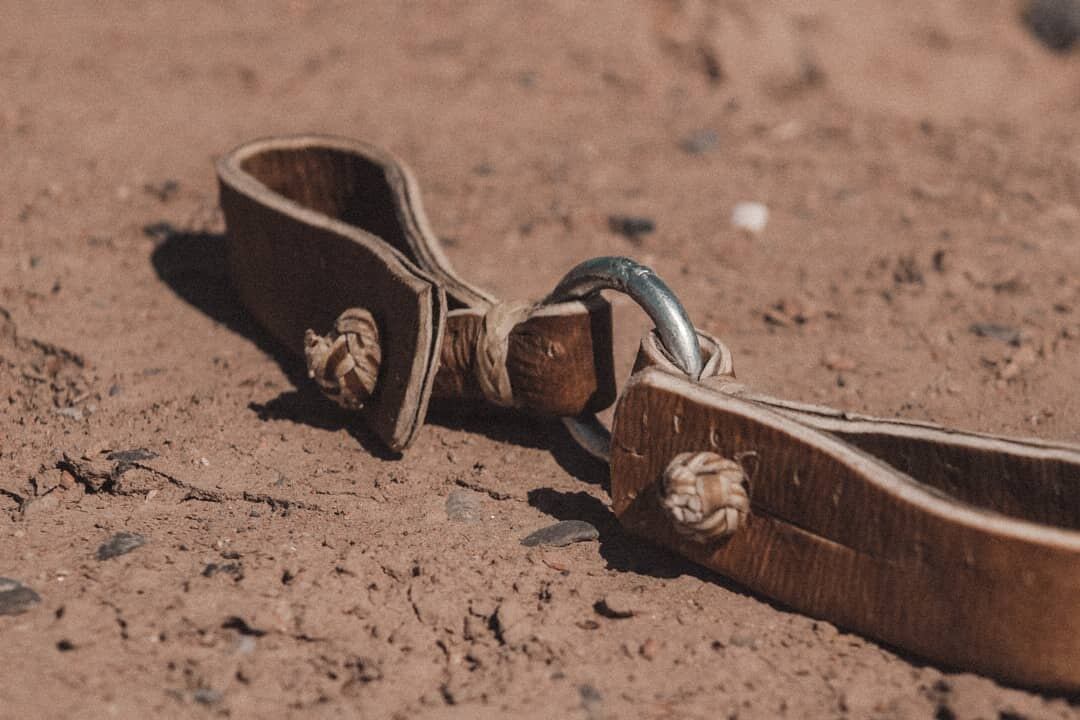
[{"x": 673, "y": 326}]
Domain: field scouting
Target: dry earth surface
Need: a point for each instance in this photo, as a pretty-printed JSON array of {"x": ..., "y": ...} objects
[{"x": 921, "y": 165}]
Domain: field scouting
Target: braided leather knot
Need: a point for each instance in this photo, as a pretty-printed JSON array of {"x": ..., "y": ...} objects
[
  {"x": 345, "y": 363},
  {"x": 705, "y": 495}
]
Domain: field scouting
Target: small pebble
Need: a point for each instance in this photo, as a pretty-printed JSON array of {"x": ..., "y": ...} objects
[
  {"x": 743, "y": 639},
  {"x": 561, "y": 533},
  {"x": 120, "y": 544},
  {"x": 1004, "y": 333},
  {"x": 233, "y": 570},
  {"x": 464, "y": 506},
  {"x": 699, "y": 142},
  {"x": 207, "y": 696},
  {"x": 16, "y": 598},
  {"x": 1054, "y": 22},
  {"x": 618, "y": 605},
  {"x": 631, "y": 226},
  {"x": 590, "y": 697},
  {"x": 134, "y": 455},
  {"x": 750, "y": 216}
]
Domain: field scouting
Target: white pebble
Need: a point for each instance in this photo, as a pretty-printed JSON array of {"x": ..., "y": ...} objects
[{"x": 750, "y": 216}]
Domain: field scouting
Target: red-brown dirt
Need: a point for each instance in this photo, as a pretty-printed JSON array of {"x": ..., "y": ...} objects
[{"x": 921, "y": 165}]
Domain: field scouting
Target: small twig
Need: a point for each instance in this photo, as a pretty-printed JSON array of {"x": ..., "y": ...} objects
[{"x": 493, "y": 494}]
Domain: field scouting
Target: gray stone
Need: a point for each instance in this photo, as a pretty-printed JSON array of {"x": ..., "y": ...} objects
[
  {"x": 134, "y": 455},
  {"x": 1055, "y": 22},
  {"x": 207, "y": 696},
  {"x": 16, "y": 598},
  {"x": 464, "y": 506},
  {"x": 743, "y": 639},
  {"x": 1004, "y": 333},
  {"x": 120, "y": 544},
  {"x": 561, "y": 533},
  {"x": 699, "y": 142}
]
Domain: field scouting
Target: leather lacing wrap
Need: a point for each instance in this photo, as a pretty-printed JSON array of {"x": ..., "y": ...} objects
[{"x": 492, "y": 344}]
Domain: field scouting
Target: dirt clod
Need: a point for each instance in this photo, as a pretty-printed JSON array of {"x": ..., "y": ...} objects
[
  {"x": 511, "y": 622},
  {"x": 618, "y": 605}
]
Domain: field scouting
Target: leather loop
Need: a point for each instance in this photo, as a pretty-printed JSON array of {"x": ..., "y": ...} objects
[{"x": 318, "y": 224}]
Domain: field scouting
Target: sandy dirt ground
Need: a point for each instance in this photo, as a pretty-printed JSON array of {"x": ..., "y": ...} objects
[{"x": 921, "y": 165}]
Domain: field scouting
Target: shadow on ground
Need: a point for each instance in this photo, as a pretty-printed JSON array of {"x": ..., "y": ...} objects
[{"x": 193, "y": 264}]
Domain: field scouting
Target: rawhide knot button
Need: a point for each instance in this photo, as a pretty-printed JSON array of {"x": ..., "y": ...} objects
[
  {"x": 345, "y": 363},
  {"x": 705, "y": 495}
]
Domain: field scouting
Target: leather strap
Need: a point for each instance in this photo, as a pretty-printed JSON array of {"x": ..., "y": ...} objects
[
  {"x": 960, "y": 547},
  {"x": 318, "y": 225}
]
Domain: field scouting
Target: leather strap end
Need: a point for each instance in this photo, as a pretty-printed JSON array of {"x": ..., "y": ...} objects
[
  {"x": 837, "y": 533},
  {"x": 297, "y": 264}
]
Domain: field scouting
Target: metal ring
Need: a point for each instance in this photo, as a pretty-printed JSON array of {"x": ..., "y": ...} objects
[{"x": 673, "y": 326}]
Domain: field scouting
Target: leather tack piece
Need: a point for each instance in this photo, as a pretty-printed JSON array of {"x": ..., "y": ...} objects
[
  {"x": 317, "y": 225},
  {"x": 958, "y": 547}
]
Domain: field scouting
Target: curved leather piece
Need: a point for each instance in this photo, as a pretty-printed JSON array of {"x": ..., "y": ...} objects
[
  {"x": 962, "y": 548},
  {"x": 300, "y": 251},
  {"x": 319, "y": 224}
]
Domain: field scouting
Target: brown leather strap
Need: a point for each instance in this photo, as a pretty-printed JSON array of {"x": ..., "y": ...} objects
[
  {"x": 317, "y": 225},
  {"x": 960, "y": 547}
]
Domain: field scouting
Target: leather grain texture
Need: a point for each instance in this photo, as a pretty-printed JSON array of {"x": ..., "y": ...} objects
[{"x": 959, "y": 547}]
